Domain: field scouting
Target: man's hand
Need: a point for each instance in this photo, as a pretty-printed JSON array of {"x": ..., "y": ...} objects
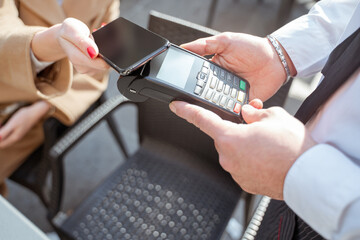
[
  {"x": 21, "y": 122},
  {"x": 257, "y": 155},
  {"x": 71, "y": 39},
  {"x": 250, "y": 57}
]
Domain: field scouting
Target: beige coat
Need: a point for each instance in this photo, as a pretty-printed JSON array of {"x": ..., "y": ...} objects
[{"x": 71, "y": 93}]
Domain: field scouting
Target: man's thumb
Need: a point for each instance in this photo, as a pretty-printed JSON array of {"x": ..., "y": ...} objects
[{"x": 251, "y": 114}]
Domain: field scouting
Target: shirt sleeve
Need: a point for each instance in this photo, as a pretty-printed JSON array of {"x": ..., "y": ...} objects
[
  {"x": 336, "y": 212},
  {"x": 309, "y": 39},
  {"x": 38, "y": 65},
  {"x": 16, "y": 65}
]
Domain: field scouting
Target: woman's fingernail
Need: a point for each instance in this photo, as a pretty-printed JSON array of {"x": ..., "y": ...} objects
[
  {"x": 103, "y": 24},
  {"x": 95, "y": 29},
  {"x": 91, "y": 52}
]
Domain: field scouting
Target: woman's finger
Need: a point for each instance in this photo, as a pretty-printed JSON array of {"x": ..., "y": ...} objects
[
  {"x": 78, "y": 34},
  {"x": 6, "y": 130}
]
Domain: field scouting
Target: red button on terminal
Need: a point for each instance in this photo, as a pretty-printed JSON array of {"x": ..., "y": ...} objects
[{"x": 237, "y": 108}]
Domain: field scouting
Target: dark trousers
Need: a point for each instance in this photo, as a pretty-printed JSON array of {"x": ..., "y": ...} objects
[{"x": 281, "y": 223}]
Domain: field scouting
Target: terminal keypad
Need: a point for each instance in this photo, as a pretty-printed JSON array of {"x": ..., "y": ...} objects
[{"x": 221, "y": 87}]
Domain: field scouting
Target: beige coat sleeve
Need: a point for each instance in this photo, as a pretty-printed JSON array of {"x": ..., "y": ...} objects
[
  {"x": 85, "y": 90},
  {"x": 18, "y": 81}
]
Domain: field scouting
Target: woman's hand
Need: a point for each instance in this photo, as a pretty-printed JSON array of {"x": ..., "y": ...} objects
[
  {"x": 71, "y": 39},
  {"x": 250, "y": 57},
  {"x": 21, "y": 122}
]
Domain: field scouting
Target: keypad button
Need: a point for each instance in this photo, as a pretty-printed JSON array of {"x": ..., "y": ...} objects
[
  {"x": 220, "y": 86},
  {"x": 209, "y": 94},
  {"x": 216, "y": 71},
  {"x": 227, "y": 89},
  {"x": 233, "y": 93},
  {"x": 222, "y": 74},
  {"x": 237, "y": 82},
  {"x": 230, "y": 104},
  {"x": 206, "y": 64},
  {"x": 200, "y": 83},
  {"x": 197, "y": 90},
  {"x": 242, "y": 85},
  {"x": 201, "y": 76},
  {"x": 229, "y": 78},
  {"x": 223, "y": 101},
  {"x": 237, "y": 108},
  {"x": 241, "y": 96},
  {"x": 205, "y": 70},
  {"x": 213, "y": 82},
  {"x": 216, "y": 97}
]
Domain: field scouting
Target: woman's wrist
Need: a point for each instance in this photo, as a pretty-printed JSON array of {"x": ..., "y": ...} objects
[
  {"x": 45, "y": 45},
  {"x": 42, "y": 109}
]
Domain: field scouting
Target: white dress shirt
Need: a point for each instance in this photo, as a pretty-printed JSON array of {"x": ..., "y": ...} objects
[{"x": 323, "y": 185}]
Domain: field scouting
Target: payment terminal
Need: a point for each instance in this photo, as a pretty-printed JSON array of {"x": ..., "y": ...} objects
[{"x": 177, "y": 74}]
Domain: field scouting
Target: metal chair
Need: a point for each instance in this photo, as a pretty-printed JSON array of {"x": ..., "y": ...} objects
[
  {"x": 174, "y": 28},
  {"x": 171, "y": 188}
]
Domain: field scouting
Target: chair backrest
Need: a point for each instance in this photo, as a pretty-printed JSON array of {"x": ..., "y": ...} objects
[
  {"x": 176, "y": 30},
  {"x": 173, "y": 176}
]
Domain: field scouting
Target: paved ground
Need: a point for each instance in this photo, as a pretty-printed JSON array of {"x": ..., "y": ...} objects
[{"x": 98, "y": 155}]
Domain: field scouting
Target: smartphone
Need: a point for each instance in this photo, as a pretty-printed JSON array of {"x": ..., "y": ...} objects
[{"x": 126, "y": 46}]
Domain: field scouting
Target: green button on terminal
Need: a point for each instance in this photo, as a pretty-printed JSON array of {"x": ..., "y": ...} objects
[{"x": 242, "y": 85}]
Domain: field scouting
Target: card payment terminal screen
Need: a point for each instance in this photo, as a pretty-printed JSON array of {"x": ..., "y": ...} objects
[{"x": 176, "y": 68}]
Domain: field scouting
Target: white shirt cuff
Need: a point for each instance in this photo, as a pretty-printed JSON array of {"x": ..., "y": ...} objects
[
  {"x": 319, "y": 191},
  {"x": 38, "y": 65},
  {"x": 309, "y": 39}
]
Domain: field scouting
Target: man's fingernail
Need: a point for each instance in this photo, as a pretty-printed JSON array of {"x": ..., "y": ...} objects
[
  {"x": 91, "y": 52},
  {"x": 172, "y": 107},
  {"x": 247, "y": 107}
]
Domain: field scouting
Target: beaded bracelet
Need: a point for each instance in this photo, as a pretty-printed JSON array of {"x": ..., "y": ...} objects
[{"x": 278, "y": 50}]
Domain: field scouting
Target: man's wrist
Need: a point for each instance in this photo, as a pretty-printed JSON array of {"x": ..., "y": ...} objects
[{"x": 283, "y": 57}]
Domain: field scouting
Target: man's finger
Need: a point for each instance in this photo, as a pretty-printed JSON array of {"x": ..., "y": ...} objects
[
  {"x": 251, "y": 114},
  {"x": 256, "y": 103},
  {"x": 207, "y": 121}
]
